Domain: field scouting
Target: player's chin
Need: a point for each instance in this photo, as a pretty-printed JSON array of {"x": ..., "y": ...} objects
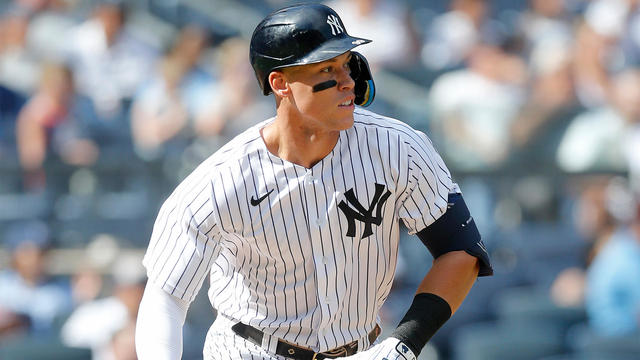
[{"x": 345, "y": 120}]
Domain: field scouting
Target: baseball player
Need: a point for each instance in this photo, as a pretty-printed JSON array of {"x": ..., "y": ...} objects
[{"x": 296, "y": 220}]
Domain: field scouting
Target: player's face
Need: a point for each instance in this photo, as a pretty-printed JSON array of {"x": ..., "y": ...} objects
[{"x": 323, "y": 93}]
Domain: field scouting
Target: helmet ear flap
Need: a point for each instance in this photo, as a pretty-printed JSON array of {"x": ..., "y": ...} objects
[{"x": 365, "y": 89}]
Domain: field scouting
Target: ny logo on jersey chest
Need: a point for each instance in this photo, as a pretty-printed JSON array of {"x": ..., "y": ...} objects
[{"x": 360, "y": 213}]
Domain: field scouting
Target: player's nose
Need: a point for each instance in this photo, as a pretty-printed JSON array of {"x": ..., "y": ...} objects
[{"x": 345, "y": 81}]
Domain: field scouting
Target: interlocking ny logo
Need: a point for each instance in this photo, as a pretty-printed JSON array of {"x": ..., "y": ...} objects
[
  {"x": 362, "y": 214},
  {"x": 333, "y": 21}
]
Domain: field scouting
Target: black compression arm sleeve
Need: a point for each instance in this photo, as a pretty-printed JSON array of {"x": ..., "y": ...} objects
[{"x": 427, "y": 314}]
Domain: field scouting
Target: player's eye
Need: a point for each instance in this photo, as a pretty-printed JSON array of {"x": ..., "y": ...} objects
[{"x": 327, "y": 69}]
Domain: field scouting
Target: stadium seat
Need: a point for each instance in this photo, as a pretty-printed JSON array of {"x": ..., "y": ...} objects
[
  {"x": 495, "y": 341},
  {"x": 532, "y": 304}
]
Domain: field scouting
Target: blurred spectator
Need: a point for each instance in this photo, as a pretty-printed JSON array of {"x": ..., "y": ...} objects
[
  {"x": 86, "y": 284},
  {"x": 590, "y": 72},
  {"x": 630, "y": 42},
  {"x": 176, "y": 99},
  {"x": 19, "y": 69},
  {"x": 545, "y": 29},
  {"x": 109, "y": 64},
  {"x": 619, "y": 21},
  {"x": 39, "y": 5},
  {"x": 451, "y": 36},
  {"x": 44, "y": 125},
  {"x": 567, "y": 289},
  {"x": 49, "y": 29},
  {"x": 604, "y": 204},
  {"x": 606, "y": 42},
  {"x": 632, "y": 154},
  {"x": 613, "y": 284},
  {"x": 632, "y": 143},
  {"x": 235, "y": 105},
  {"x": 473, "y": 109},
  {"x": 18, "y": 72},
  {"x": 550, "y": 104},
  {"x": 122, "y": 343},
  {"x": 595, "y": 139},
  {"x": 105, "y": 325},
  {"x": 593, "y": 216},
  {"x": 543, "y": 24},
  {"x": 48, "y": 108},
  {"x": 28, "y": 292},
  {"x": 384, "y": 22}
]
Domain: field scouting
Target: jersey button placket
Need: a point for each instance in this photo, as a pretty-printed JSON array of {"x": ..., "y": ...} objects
[
  {"x": 321, "y": 270},
  {"x": 317, "y": 218}
]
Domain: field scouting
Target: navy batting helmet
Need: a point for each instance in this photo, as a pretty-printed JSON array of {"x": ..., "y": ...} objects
[{"x": 299, "y": 35}]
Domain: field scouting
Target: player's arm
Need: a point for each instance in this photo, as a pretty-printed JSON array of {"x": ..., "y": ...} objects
[
  {"x": 451, "y": 277},
  {"x": 459, "y": 254},
  {"x": 159, "y": 325},
  {"x": 459, "y": 258},
  {"x": 174, "y": 276}
]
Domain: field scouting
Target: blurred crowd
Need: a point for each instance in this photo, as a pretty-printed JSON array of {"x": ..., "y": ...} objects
[{"x": 534, "y": 104}]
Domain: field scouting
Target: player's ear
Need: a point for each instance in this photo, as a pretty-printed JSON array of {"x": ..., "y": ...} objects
[{"x": 279, "y": 83}]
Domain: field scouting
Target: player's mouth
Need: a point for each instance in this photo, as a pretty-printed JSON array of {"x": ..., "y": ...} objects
[{"x": 347, "y": 104}]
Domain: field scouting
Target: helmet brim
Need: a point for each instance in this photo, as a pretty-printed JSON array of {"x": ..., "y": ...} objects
[{"x": 329, "y": 50}]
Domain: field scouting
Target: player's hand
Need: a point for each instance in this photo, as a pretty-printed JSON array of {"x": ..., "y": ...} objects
[{"x": 389, "y": 349}]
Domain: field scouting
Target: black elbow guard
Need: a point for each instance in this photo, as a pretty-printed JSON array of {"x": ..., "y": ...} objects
[{"x": 456, "y": 230}]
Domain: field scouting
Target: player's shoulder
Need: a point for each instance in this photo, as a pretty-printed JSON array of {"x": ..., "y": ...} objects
[{"x": 365, "y": 119}]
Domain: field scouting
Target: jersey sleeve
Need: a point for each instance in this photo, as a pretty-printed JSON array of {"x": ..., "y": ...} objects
[
  {"x": 429, "y": 184},
  {"x": 183, "y": 242}
]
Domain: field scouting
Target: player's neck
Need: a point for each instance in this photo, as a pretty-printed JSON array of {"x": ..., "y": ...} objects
[{"x": 298, "y": 144}]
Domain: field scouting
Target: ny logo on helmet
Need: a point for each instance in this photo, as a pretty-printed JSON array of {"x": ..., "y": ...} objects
[{"x": 333, "y": 21}]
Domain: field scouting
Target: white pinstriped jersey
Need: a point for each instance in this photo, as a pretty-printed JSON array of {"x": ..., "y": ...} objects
[{"x": 306, "y": 255}]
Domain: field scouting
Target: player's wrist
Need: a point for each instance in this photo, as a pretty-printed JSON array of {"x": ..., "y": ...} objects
[{"x": 425, "y": 316}]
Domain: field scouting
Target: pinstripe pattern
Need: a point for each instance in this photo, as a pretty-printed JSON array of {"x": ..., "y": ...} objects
[{"x": 286, "y": 266}]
